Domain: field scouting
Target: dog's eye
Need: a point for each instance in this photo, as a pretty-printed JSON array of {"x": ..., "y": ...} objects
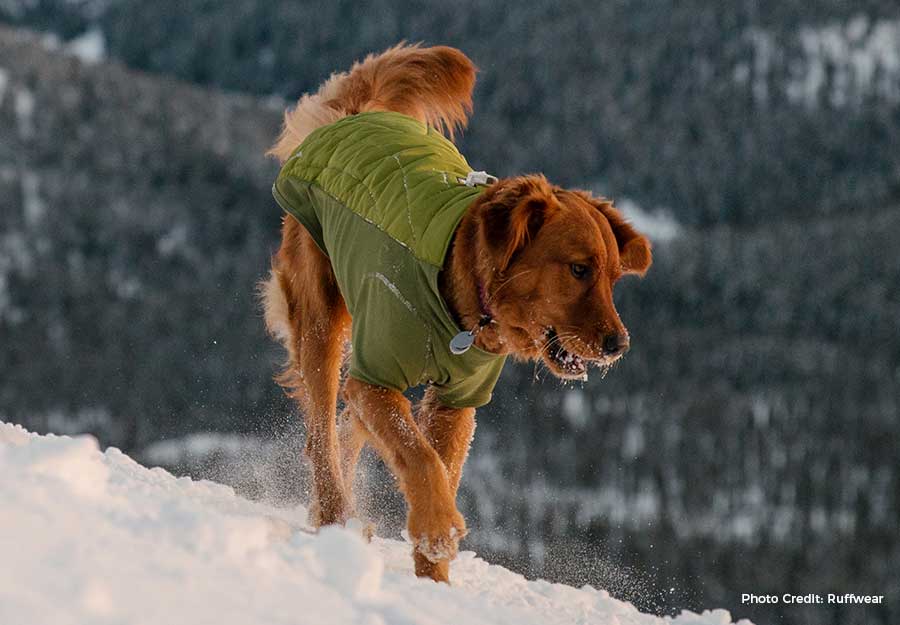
[{"x": 578, "y": 270}]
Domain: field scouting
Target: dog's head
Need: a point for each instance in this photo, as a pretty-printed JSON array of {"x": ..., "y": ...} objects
[{"x": 552, "y": 257}]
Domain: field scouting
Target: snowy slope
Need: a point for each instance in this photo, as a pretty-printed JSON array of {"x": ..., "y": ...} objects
[{"x": 90, "y": 537}]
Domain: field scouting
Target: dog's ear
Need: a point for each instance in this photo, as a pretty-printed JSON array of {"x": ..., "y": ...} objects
[
  {"x": 512, "y": 214},
  {"x": 635, "y": 256}
]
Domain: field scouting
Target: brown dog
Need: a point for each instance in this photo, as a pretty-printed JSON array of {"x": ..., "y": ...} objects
[{"x": 530, "y": 269}]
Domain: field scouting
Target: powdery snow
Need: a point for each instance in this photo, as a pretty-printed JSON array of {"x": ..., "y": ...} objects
[
  {"x": 91, "y": 537},
  {"x": 89, "y": 47}
]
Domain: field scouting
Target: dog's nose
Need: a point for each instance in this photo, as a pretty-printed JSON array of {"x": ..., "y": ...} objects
[{"x": 615, "y": 344}]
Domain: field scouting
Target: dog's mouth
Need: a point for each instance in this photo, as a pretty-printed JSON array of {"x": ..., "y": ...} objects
[{"x": 563, "y": 363}]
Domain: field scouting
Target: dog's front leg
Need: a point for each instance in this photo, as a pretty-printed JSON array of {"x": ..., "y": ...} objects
[
  {"x": 449, "y": 431},
  {"x": 435, "y": 525}
]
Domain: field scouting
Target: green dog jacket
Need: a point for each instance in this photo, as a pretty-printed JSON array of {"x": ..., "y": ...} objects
[{"x": 381, "y": 194}]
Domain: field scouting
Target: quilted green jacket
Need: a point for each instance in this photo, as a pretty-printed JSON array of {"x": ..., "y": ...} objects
[{"x": 381, "y": 194}]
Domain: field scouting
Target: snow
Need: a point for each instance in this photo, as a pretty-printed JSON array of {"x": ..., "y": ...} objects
[
  {"x": 90, "y": 46},
  {"x": 24, "y": 108},
  {"x": 91, "y": 537},
  {"x": 862, "y": 58},
  {"x": 841, "y": 63},
  {"x": 576, "y": 408},
  {"x": 200, "y": 445},
  {"x": 765, "y": 52},
  {"x": 658, "y": 225}
]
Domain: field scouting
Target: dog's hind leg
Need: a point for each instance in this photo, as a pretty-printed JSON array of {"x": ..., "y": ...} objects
[
  {"x": 314, "y": 331},
  {"x": 352, "y": 438}
]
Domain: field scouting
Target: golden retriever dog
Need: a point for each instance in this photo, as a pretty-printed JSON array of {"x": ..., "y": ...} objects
[{"x": 528, "y": 271}]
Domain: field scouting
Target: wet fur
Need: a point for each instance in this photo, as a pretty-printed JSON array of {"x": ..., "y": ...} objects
[{"x": 518, "y": 239}]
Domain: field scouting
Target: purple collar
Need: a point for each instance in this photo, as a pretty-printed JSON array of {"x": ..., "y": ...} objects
[{"x": 487, "y": 315}]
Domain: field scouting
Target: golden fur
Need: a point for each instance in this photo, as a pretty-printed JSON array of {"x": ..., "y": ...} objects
[{"x": 546, "y": 257}]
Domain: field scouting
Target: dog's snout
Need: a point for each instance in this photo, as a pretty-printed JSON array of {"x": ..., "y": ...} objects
[{"x": 615, "y": 344}]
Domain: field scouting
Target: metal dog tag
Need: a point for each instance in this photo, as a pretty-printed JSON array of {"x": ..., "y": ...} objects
[{"x": 461, "y": 342}]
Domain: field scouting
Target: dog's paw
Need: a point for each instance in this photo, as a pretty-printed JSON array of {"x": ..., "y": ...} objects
[
  {"x": 438, "y": 548},
  {"x": 436, "y": 536},
  {"x": 336, "y": 511},
  {"x": 437, "y": 571}
]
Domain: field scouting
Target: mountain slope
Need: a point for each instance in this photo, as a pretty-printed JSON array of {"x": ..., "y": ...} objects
[
  {"x": 92, "y": 537},
  {"x": 131, "y": 207}
]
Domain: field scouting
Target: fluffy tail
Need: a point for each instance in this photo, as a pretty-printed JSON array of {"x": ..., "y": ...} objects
[{"x": 434, "y": 85}]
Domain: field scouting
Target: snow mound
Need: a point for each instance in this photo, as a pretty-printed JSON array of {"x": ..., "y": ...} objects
[
  {"x": 90, "y": 47},
  {"x": 659, "y": 225},
  {"x": 91, "y": 537}
]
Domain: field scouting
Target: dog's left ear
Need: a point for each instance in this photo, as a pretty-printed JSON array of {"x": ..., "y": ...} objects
[
  {"x": 513, "y": 213},
  {"x": 634, "y": 248}
]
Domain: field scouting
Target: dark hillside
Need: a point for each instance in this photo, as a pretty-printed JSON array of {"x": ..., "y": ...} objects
[{"x": 135, "y": 218}]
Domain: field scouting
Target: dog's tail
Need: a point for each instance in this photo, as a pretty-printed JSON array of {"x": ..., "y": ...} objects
[{"x": 434, "y": 85}]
